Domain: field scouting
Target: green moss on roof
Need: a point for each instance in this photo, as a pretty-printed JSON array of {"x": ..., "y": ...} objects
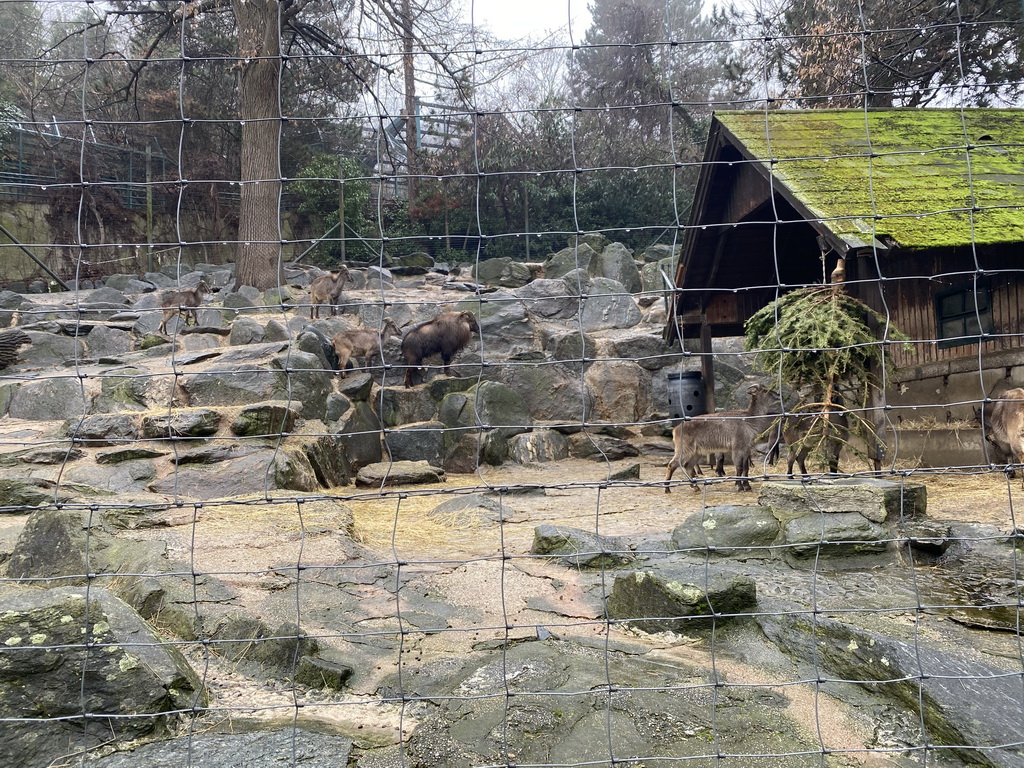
[{"x": 915, "y": 175}]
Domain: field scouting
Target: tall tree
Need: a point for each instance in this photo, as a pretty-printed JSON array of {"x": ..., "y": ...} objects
[
  {"x": 644, "y": 79},
  {"x": 883, "y": 53}
]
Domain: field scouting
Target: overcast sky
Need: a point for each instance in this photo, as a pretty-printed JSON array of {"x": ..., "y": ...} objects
[{"x": 514, "y": 19}]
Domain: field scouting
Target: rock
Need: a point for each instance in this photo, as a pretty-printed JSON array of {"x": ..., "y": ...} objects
[
  {"x": 104, "y": 429},
  {"x": 473, "y": 509},
  {"x": 276, "y": 331},
  {"x": 742, "y": 531},
  {"x": 268, "y": 418},
  {"x": 628, "y": 472},
  {"x": 600, "y": 447},
  {"x": 576, "y": 548},
  {"x": 641, "y": 346},
  {"x": 295, "y": 377},
  {"x": 239, "y": 301},
  {"x": 621, "y": 391},
  {"x": 246, "y": 330},
  {"x": 877, "y": 500},
  {"x": 133, "y": 677},
  {"x": 652, "y": 711},
  {"x": 944, "y": 689},
  {"x": 17, "y": 493},
  {"x": 615, "y": 261},
  {"x": 489, "y": 271},
  {"x": 569, "y": 259},
  {"x": 181, "y": 422},
  {"x": 416, "y": 441},
  {"x": 271, "y": 748},
  {"x": 538, "y": 446},
  {"x": 124, "y": 389},
  {"x": 552, "y": 299},
  {"x": 661, "y": 252},
  {"x": 493, "y": 407},
  {"x": 462, "y": 455},
  {"x": 554, "y": 389},
  {"x": 315, "y": 672},
  {"x": 608, "y": 305},
  {"x": 336, "y": 406},
  {"x": 130, "y": 453},
  {"x": 388, "y": 474},
  {"x": 52, "y": 544},
  {"x": 679, "y": 598},
  {"x": 285, "y": 468},
  {"x": 249, "y": 641},
  {"x": 833, "y": 534},
  {"x": 48, "y": 399},
  {"x": 359, "y": 431},
  {"x": 356, "y": 386},
  {"x": 123, "y": 477},
  {"x": 108, "y": 342},
  {"x": 399, "y": 405}
]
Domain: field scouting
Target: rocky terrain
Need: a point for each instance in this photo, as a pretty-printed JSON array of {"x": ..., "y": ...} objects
[{"x": 218, "y": 551}]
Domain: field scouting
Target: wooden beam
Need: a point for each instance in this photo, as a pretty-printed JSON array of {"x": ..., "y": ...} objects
[{"x": 707, "y": 368}]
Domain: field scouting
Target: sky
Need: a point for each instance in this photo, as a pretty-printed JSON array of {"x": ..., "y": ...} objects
[{"x": 519, "y": 18}]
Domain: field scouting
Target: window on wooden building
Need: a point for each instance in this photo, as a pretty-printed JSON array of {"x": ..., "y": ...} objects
[{"x": 962, "y": 314}]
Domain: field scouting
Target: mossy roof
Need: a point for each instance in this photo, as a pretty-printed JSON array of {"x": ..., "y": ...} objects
[{"x": 924, "y": 177}]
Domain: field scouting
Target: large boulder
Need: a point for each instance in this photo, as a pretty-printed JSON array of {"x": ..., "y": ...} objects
[
  {"x": 104, "y": 341},
  {"x": 298, "y": 376},
  {"x": 621, "y": 391},
  {"x": 747, "y": 531},
  {"x": 553, "y": 298},
  {"x": 71, "y": 651},
  {"x": 417, "y": 441},
  {"x": 616, "y": 262},
  {"x": 568, "y": 260},
  {"x": 49, "y": 399},
  {"x": 551, "y": 392},
  {"x": 609, "y": 305},
  {"x": 359, "y": 431}
]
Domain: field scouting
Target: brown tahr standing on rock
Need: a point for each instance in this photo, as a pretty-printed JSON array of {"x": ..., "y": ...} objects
[
  {"x": 327, "y": 288},
  {"x": 446, "y": 335},
  {"x": 363, "y": 343},
  {"x": 185, "y": 302}
]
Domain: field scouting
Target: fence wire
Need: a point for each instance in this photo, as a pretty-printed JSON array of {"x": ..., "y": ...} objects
[{"x": 218, "y": 549}]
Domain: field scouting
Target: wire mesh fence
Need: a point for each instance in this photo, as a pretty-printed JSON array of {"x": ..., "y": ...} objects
[{"x": 383, "y": 387}]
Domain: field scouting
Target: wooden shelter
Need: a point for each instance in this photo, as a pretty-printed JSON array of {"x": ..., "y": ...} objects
[{"x": 925, "y": 208}]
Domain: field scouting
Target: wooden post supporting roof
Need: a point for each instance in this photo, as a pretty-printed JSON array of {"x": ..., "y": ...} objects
[{"x": 707, "y": 367}]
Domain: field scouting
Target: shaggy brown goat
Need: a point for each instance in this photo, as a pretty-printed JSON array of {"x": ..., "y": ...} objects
[
  {"x": 1005, "y": 430},
  {"x": 728, "y": 431},
  {"x": 445, "y": 335},
  {"x": 327, "y": 288},
  {"x": 831, "y": 436},
  {"x": 363, "y": 343},
  {"x": 185, "y": 302}
]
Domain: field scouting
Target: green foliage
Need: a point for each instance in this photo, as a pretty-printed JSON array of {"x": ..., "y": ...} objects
[
  {"x": 825, "y": 344},
  {"x": 318, "y": 190}
]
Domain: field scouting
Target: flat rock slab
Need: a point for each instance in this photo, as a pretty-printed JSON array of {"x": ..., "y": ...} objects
[
  {"x": 577, "y": 548},
  {"x": 880, "y": 501},
  {"x": 728, "y": 530},
  {"x": 679, "y": 598},
  {"x": 399, "y": 473},
  {"x": 964, "y": 704},
  {"x": 275, "y": 749}
]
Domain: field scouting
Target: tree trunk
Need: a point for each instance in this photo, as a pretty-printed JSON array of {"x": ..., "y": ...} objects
[
  {"x": 259, "y": 228},
  {"x": 411, "y": 123}
]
